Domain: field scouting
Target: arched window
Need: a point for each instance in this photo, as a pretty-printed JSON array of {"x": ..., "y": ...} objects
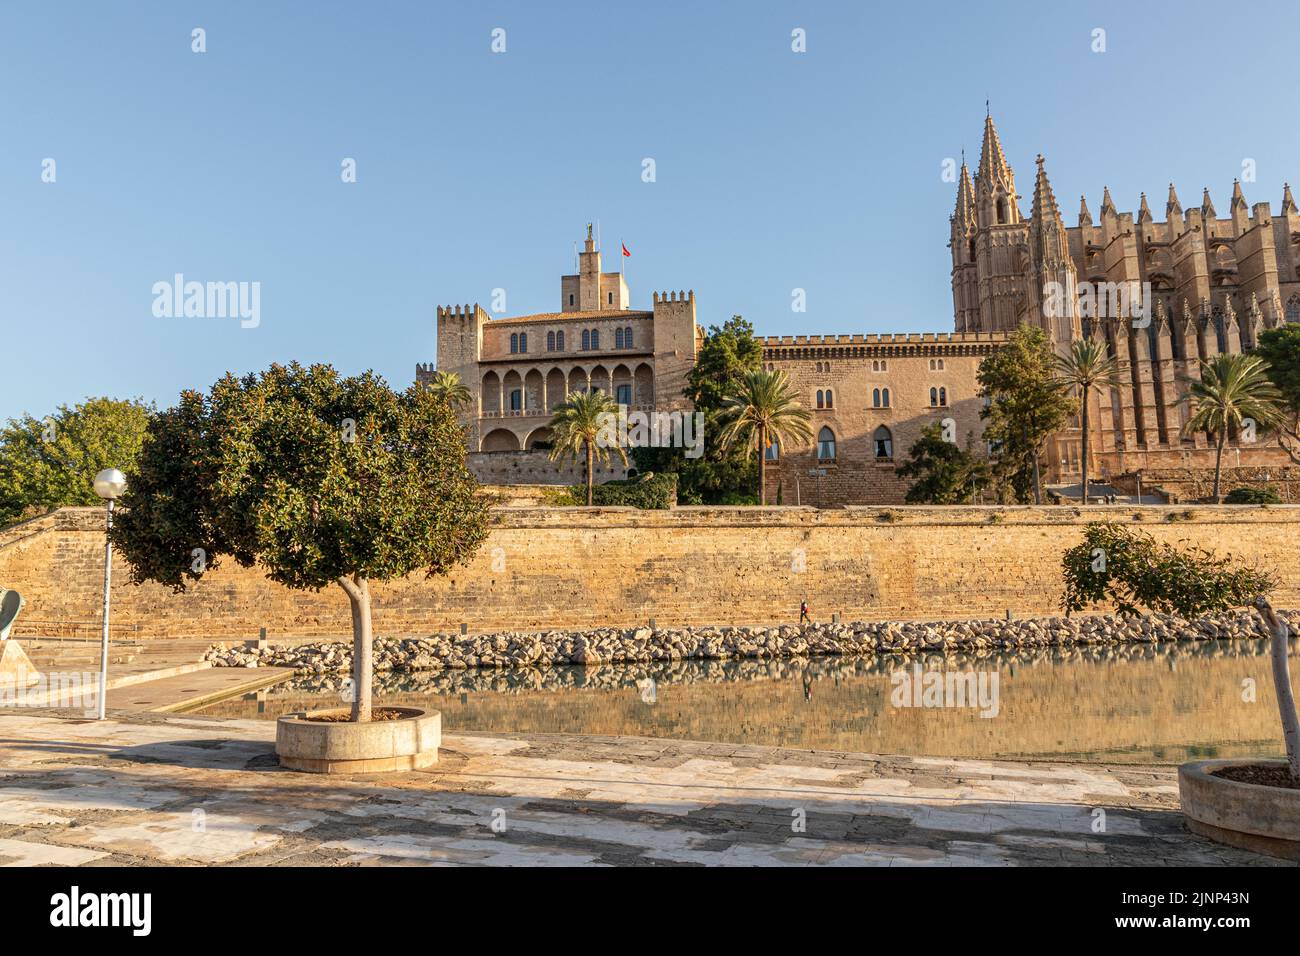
[
  {"x": 971, "y": 250},
  {"x": 1002, "y": 211},
  {"x": 830, "y": 398},
  {"x": 1293, "y": 308},
  {"x": 595, "y": 338},
  {"x": 523, "y": 341},
  {"x": 550, "y": 341},
  {"x": 884, "y": 442},
  {"x": 618, "y": 338},
  {"x": 586, "y": 339},
  {"x": 884, "y": 398},
  {"x": 934, "y": 397},
  {"x": 943, "y": 397},
  {"x": 559, "y": 341},
  {"x": 514, "y": 343},
  {"x": 819, "y": 399},
  {"x": 875, "y": 398},
  {"x": 825, "y": 444},
  {"x": 516, "y": 399},
  {"x": 1220, "y": 330},
  {"x": 627, "y": 337},
  {"x": 773, "y": 451}
]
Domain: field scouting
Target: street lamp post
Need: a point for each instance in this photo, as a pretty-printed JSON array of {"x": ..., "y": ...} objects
[{"x": 109, "y": 485}]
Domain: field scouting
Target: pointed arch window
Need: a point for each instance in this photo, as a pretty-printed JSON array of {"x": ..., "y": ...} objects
[
  {"x": 830, "y": 399},
  {"x": 595, "y": 338},
  {"x": 550, "y": 341},
  {"x": 1293, "y": 308},
  {"x": 618, "y": 338},
  {"x": 883, "y": 439},
  {"x": 1002, "y": 211},
  {"x": 627, "y": 337},
  {"x": 825, "y": 445},
  {"x": 819, "y": 399},
  {"x": 523, "y": 341},
  {"x": 586, "y": 339},
  {"x": 559, "y": 341},
  {"x": 514, "y": 343}
]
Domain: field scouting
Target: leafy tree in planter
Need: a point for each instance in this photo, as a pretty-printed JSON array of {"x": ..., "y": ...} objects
[
  {"x": 320, "y": 479},
  {"x": 1115, "y": 565}
]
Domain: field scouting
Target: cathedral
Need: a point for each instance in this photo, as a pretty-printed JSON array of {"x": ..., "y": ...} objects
[{"x": 1162, "y": 295}]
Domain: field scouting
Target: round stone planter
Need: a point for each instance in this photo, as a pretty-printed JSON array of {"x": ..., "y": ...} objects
[
  {"x": 1263, "y": 819},
  {"x": 377, "y": 746}
]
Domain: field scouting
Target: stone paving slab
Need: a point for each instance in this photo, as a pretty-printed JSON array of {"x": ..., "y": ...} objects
[{"x": 144, "y": 788}]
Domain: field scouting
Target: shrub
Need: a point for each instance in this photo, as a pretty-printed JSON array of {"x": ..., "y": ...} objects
[
  {"x": 1266, "y": 495},
  {"x": 650, "y": 491}
]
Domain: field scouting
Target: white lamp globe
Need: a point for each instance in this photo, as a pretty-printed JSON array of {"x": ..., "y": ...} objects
[{"x": 110, "y": 483}]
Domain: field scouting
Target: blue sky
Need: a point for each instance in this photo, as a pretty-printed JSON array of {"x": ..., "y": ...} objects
[{"x": 775, "y": 170}]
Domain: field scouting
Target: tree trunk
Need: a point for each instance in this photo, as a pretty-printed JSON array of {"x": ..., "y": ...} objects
[
  {"x": 1218, "y": 462},
  {"x": 358, "y": 592},
  {"x": 590, "y": 466},
  {"x": 762, "y": 466},
  {"x": 1279, "y": 632},
  {"x": 1038, "y": 487},
  {"x": 1083, "y": 420}
]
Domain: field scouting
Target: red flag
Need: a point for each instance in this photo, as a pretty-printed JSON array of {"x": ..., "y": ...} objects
[{"x": 625, "y": 252}]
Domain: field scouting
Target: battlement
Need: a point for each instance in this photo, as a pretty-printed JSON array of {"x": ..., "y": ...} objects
[
  {"x": 679, "y": 296},
  {"x": 461, "y": 311},
  {"x": 886, "y": 338}
]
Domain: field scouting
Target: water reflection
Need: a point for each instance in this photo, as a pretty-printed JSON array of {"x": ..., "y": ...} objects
[{"x": 1134, "y": 702}]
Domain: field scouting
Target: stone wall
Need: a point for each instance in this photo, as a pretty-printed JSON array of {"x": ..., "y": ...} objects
[
  {"x": 1192, "y": 484},
  {"x": 609, "y": 566}
]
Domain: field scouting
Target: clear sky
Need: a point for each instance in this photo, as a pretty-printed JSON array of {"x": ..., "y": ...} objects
[{"x": 775, "y": 170}]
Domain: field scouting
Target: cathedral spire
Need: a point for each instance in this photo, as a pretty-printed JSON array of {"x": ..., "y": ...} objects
[
  {"x": 1044, "y": 201},
  {"x": 1144, "y": 211},
  {"x": 1207, "y": 206},
  {"x": 1085, "y": 217},
  {"x": 1288, "y": 201},
  {"x": 1237, "y": 198},
  {"x": 993, "y": 166},
  {"x": 1173, "y": 207},
  {"x": 1107, "y": 204},
  {"x": 964, "y": 214}
]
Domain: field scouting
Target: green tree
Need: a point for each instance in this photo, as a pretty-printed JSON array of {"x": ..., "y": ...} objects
[
  {"x": 318, "y": 478},
  {"x": 1280, "y": 350},
  {"x": 1127, "y": 569},
  {"x": 721, "y": 475},
  {"x": 1232, "y": 388},
  {"x": 945, "y": 473},
  {"x": 1026, "y": 404},
  {"x": 51, "y": 462},
  {"x": 766, "y": 409},
  {"x": 582, "y": 425},
  {"x": 1085, "y": 367},
  {"x": 449, "y": 387}
]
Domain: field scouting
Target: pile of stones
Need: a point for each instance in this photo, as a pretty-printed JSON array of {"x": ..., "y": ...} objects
[{"x": 608, "y": 645}]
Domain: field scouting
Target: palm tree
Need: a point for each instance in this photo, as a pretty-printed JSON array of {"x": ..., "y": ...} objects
[
  {"x": 765, "y": 410},
  {"x": 582, "y": 425},
  {"x": 1085, "y": 367},
  {"x": 1232, "y": 389},
  {"x": 448, "y": 386}
]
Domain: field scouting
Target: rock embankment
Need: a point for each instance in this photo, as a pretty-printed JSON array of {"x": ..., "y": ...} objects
[{"x": 513, "y": 649}]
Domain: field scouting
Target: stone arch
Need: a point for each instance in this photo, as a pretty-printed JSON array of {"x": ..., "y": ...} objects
[
  {"x": 600, "y": 379},
  {"x": 621, "y": 379},
  {"x": 578, "y": 380},
  {"x": 556, "y": 389},
  {"x": 537, "y": 435},
  {"x": 500, "y": 439},
  {"x": 513, "y": 392},
  {"x": 491, "y": 394},
  {"x": 533, "y": 390},
  {"x": 882, "y": 443},
  {"x": 644, "y": 380},
  {"x": 826, "y": 444}
]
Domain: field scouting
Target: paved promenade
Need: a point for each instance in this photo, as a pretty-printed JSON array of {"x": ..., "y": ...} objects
[{"x": 149, "y": 788}]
